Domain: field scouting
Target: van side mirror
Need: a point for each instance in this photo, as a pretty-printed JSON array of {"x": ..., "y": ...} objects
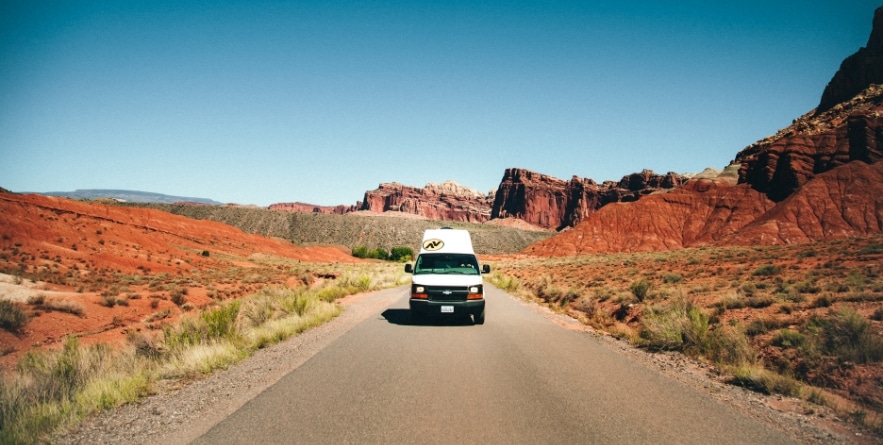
[
  {"x": 486, "y": 268},
  {"x": 408, "y": 268}
]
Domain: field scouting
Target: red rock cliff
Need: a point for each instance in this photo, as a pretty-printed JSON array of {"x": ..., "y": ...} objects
[
  {"x": 553, "y": 203},
  {"x": 447, "y": 201}
]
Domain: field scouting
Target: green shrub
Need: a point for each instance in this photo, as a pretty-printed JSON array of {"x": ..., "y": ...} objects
[
  {"x": 848, "y": 336},
  {"x": 401, "y": 254},
  {"x": 767, "y": 270},
  {"x": 641, "y": 288},
  {"x": 12, "y": 317},
  {"x": 765, "y": 381},
  {"x": 379, "y": 253},
  {"x": 787, "y": 338},
  {"x": 672, "y": 278},
  {"x": 680, "y": 326}
]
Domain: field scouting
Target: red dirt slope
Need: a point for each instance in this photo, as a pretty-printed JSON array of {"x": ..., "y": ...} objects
[{"x": 79, "y": 256}]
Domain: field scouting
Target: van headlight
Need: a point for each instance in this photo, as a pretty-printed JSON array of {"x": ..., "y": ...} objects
[
  {"x": 474, "y": 290},
  {"x": 419, "y": 289}
]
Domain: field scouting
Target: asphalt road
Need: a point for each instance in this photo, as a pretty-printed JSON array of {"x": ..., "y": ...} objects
[{"x": 517, "y": 379}]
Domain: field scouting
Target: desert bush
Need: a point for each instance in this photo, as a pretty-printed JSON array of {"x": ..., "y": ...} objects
[
  {"x": 210, "y": 325},
  {"x": 787, "y": 338},
  {"x": 506, "y": 283},
  {"x": 748, "y": 289},
  {"x": 822, "y": 301},
  {"x": 586, "y": 305},
  {"x": 767, "y": 270},
  {"x": 763, "y": 380},
  {"x": 357, "y": 282},
  {"x": 379, "y": 253},
  {"x": 401, "y": 254},
  {"x": 680, "y": 326},
  {"x": 760, "y": 326},
  {"x": 67, "y": 306},
  {"x": 759, "y": 302},
  {"x": 729, "y": 346},
  {"x": 12, "y": 317},
  {"x": 640, "y": 288},
  {"x": 37, "y": 300},
  {"x": 178, "y": 295},
  {"x": 846, "y": 335},
  {"x": 672, "y": 278}
]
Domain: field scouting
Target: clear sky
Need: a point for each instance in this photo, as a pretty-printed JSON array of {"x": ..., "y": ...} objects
[{"x": 257, "y": 102}]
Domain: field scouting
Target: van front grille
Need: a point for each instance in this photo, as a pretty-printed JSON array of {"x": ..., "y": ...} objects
[{"x": 447, "y": 293}]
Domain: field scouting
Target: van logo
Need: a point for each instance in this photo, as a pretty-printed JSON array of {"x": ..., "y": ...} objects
[
  {"x": 433, "y": 244},
  {"x": 447, "y": 292}
]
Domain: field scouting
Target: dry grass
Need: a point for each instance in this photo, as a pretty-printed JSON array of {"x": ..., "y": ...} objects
[
  {"x": 797, "y": 320},
  {"x": 56, "y": 388}
]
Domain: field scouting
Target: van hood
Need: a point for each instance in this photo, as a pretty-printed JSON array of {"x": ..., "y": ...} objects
[{"x": 446, "y": 280}]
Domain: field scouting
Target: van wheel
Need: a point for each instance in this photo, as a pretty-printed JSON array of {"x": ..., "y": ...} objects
[{"x": 478, "y": 318}]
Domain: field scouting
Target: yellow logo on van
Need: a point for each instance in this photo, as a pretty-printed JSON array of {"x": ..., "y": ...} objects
[{"x": 432, "y": 245}]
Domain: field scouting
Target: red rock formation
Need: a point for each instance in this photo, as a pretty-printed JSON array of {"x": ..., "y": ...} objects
[
  {"x": 446, "y": 202},
  {"x": 553, "y": 203},
  {"x": 697, "y": 214},
  {"x": 310, "y": 208},
  {"x": 842, "y": 203},
  {"x": 846, "y": 126},
  {"x": 851, "y": 131}
]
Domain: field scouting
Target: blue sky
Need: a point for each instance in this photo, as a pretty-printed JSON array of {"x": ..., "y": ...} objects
[{"x": 270, "y": 101}]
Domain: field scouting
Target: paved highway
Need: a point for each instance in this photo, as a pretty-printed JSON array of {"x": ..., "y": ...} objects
[{"x": 517, "y": 379}]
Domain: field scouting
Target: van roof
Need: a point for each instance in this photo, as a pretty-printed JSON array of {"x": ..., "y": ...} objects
[{"x": 446, "y": 240}]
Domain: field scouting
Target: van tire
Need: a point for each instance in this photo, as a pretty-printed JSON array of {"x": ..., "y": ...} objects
[{"x": 478, "y": 318}]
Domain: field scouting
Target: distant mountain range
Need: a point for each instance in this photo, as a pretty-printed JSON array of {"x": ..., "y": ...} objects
[{"x": 130, "y": 196}]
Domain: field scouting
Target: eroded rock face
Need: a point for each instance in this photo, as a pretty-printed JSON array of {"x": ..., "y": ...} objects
[
  {"x": 697, "y": 214},
  {"x": 814, "y": 144},
  {"x": 842, "y": 203},
  {"x": 553, "y": 203},
  {"x": 311, "y": 208},
  {"x": 858, "y": 71},
  {"x": 447, "y": 201}
]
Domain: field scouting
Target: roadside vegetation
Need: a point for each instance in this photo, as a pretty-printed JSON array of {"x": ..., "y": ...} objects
[
  {"x": 803, "y": 321},
  {"x": 396, "y": 254},
  {"x": 56, "y": 388}
]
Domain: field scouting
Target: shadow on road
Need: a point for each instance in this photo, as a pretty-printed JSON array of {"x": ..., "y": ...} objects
[{"x": 402, "y": 317}]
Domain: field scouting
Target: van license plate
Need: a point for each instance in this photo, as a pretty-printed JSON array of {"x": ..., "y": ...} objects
[{"x": 447, "y": 309}]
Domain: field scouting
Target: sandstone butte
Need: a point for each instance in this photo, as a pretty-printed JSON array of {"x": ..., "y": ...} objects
[{"x": 819, "y": 179}]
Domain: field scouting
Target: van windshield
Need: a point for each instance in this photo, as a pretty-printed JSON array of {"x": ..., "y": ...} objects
[{"x": 446, "y": 263}]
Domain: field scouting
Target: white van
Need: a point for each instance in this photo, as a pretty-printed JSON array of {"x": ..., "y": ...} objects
[{"x": 446, "y": 278}]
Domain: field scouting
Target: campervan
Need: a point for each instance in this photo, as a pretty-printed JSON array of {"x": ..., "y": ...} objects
[{"x": 446, "y": 278}]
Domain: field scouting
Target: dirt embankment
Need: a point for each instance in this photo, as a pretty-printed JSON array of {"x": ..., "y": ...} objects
[{"x": 99, "y": 271}]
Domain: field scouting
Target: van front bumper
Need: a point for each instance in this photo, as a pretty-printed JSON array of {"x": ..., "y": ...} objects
[{"x": 446, "y": 308}]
